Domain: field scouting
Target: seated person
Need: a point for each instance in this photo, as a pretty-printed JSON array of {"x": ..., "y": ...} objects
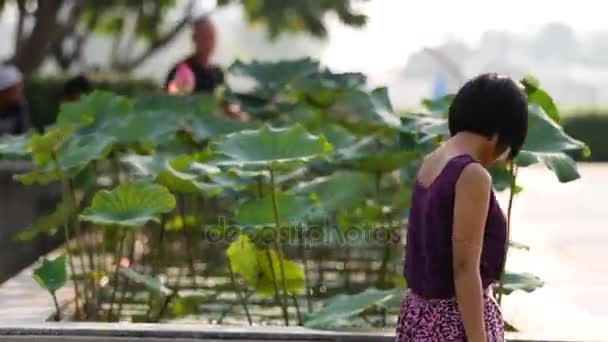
[
  {"x": 207, "y": 77},
  {"x": 14, "y": 113}
]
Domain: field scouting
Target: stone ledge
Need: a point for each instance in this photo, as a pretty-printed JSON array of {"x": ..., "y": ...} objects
[{"x": 102, "y": 332}]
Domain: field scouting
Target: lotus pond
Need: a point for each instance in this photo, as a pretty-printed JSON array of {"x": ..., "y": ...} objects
[{"x": 295, "y": 216}]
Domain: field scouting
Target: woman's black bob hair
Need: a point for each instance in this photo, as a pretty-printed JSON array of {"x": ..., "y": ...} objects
[{"x": 492, "y": 104}]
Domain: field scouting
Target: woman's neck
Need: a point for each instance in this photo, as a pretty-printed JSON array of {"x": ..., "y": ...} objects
[{"x": 474, "y": 145}]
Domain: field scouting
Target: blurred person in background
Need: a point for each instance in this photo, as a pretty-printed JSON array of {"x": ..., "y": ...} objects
[
  {"x": 196, "y": 74},
  {"x": 207, "y": 77},
  {"x": 76, "y": 87},
  {"x": 14, "y": 113}
]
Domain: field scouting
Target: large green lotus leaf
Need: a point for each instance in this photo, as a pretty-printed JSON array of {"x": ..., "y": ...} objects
[
  {"x": 145, "y": 166},
  {"x": 369, "y": 157},
  {"x": 83, "y": 149},
  {"x": 46, "y": 176},
  {"x": 539, "y": 96},
  {"x": 343, "y": 307},
  {"x": 545, "y": 136},
  {"x": 562, "y": 165},
  {"x": 440, "y": 106},
  {"x": 52, "y": 274},
  {"x": 272, "y": 77},
  {"x": 272, "y": 148},
  {"x": 501, "y": 179},
  {"x": 374, "y": 107},
  {"x": 243, "y": 259},
  {"x": 521, "y": 281},
  {"x": 13, "y": 146},
  {"x": 43, "y": 146},
  {"x": 338, "y": 136},
  {"x": 324, "y": 89},
  {"x": 129, "y": 204},
  {"x": 259, "y": 105},
  {"x": 184, "y": 176},
  {"x": 425, "y": 126},
  {"x": 341, "y": 190},
  {"x": 49, "y": 224},
  {"x": 237, "y": 180},
  {"x": 176, "y": 106},
  {"x": 294, "y": 274},
  {"x": 151, "y": 284},
  {"x": 153, "y": 127},
  {"x": 94, "y": 111},
  {"x": 208, "y": 126},
  {"x": 260, "y": 212}
]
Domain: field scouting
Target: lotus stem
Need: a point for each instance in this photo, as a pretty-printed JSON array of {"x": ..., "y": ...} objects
[
  {"x": 512, "y": 190},
  {"x": 156, "y": 263},
  {"x": 299, "y": 314},
  {"x": 306, "y": 270},
  {"x": 57, "y": 309},
  {"x": 83, "y": 247},
  {"x": 225, "y": 312},
  {"x": 65, "y": 191},
  {"x": 117, "y": 257},
  {"x": 277, "y": 295},
  {"x": 187, "y": 237},
  {"x": 277, "y": 242},
  {"x": 165, "y": 306},
  {"x": 126, "y": 282},
  {"x": 387, "y": 248},
  {"x": 237, "y": 289}
]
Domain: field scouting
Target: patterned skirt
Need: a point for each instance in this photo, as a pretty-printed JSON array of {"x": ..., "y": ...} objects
[{"x": 438, "y": 320}]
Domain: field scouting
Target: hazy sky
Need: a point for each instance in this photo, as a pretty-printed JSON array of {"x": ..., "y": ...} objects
[{"x": 399, "y": 27}]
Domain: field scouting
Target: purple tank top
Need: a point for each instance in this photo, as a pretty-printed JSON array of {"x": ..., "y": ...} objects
[{"x": 428, "y": 256}]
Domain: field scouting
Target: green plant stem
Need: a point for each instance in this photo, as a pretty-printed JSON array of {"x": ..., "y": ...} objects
[
  {"x": 187, "y": 238},
  {"x": 83, "y": 249},
  {"x": 158, "y": 258},
  {"x": 65, "y": 192},
  {"x": 229, "y": 308},
  {"x": 278, "y": 247},
  {"x": 277, "y": 295},
  {"x": 57, "y": 309},
  {"x": 165, "y": 306},
  {"x": 126, "y": 282},
  {"x": 117, "y": 257},
  {"x": 299, "y": 314},
  {"x": 512, "y": 189},
  {"x": 304, "y": 256},
  {"x": 66, "y": 232},
  {"x": 387, "y": 248},
  {"x": 346, "y": 268},
  {"x": 239, "y": 294}
]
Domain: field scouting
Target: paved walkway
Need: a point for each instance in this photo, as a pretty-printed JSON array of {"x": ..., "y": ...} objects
[{"x": 565, "y": 227}]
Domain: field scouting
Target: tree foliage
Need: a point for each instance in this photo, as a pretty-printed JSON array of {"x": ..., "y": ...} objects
[{"x": 60, "y": 29}]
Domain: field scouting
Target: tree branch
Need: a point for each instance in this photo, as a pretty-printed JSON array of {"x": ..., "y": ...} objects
[
  {"x": 159, "y": 42},
  {"x": 20, "y": 23},
  {"x": 33, "y": 51}
]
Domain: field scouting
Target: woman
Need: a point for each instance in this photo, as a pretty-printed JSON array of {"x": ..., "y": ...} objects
[{"x": 457, "y": 233}]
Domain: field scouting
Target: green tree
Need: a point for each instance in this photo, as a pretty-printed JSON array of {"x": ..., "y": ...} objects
[{"x": 59, "y": 29}]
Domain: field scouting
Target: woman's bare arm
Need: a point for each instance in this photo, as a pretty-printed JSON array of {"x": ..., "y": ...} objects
[{"x": 470, "y": 213}]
